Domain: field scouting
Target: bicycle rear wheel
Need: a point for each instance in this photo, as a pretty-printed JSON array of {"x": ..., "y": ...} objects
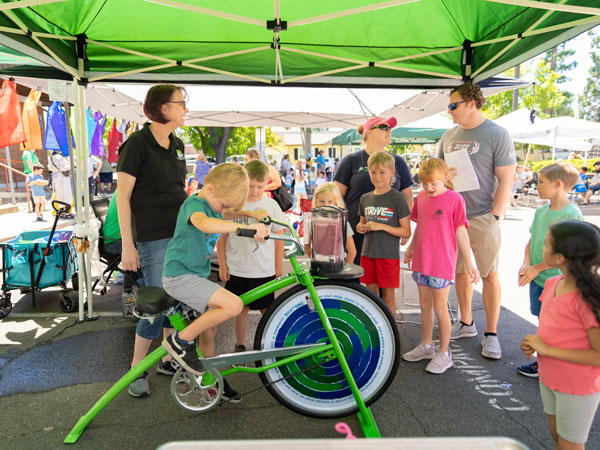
[{"x": 368, "y": 337}]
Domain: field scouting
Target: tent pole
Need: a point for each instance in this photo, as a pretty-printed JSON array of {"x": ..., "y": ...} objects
[
  {"x": 527, "y": 156},
  {"x": 10, "y": 177},
  {"x": 83, "y": 154},
  {"x": 554, "y": 146},
  {"x": 76, "y": 170}
]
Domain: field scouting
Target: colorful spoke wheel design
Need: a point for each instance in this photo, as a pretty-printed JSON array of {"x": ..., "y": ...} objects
[{"x": 367, "y": 335}]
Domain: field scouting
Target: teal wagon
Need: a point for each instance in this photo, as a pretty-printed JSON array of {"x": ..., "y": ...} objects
[{"x": 36, "y": 260}]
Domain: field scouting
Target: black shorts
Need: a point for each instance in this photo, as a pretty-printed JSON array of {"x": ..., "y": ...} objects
[
  {"x": 106, "y": 177},
  {"x": 240, "y": 285}
]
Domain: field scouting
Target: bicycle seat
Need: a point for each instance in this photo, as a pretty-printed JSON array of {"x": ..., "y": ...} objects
[{"x": 153, "y": 300}]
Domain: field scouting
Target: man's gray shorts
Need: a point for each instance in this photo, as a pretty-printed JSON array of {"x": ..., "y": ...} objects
[{"x": 190, "y": 289}]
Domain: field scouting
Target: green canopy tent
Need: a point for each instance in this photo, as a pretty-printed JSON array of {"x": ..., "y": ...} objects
[
  {"x": 394, "y": 43},
  {"x": 404, "y": 134}
]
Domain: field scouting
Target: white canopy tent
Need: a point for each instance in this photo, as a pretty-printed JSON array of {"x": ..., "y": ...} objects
[
  {"x": 100, "y": 97},
  {"x": 561, "y": 132},
  {"x": 431, "y": 102},
  {"x": 241, "y": 106}
]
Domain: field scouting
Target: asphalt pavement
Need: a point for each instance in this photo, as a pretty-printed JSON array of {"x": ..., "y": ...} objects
[{"x": 53, "y": 369}]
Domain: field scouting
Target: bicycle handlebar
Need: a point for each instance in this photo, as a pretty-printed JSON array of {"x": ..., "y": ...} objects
[{"x": 246, "y": 232}]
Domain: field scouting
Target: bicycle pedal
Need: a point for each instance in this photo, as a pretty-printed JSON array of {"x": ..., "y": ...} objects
[
  {"x": 310, "y": 302},
  {"x": 176, "y": 365},
  {"x": 327, "y": 356}
]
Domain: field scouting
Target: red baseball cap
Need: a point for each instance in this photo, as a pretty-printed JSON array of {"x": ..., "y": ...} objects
[{"x": 374, "y": 121}]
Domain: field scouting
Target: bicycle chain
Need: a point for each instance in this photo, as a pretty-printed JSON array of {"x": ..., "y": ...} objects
[{"x": 242, "y": 395}]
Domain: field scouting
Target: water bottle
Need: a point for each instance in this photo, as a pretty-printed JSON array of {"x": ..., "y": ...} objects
[{"x": 127, "y": 305}]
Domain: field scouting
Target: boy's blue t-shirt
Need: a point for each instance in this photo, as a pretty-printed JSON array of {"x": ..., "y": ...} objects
[
  {"x": 543, "y": 219},
  {"x": 190, "y": 249},
  {"x": 36, "y": 189}
]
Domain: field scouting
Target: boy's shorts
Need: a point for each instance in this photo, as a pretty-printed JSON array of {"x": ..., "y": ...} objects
[
  {"x": 240, "y": 285},
  {"x": 385, "y": 273},
  {"x": 431, "y": 281},
  {"x": 38, "y": 199},
  {"x": 106, "y": 177},
  {"x": 534, "y": 298},
  {"x": 190, "y": 289},
  {"x": 484, "y": 234},
  {"x": 574, "y": 413}
]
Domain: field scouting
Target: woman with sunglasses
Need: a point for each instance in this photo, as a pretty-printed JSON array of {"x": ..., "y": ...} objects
[
  {"x": 352, "y": 175},
  {"x": 151, "y": 171}
]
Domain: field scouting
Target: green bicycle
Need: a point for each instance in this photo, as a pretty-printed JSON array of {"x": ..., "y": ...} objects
[{"x": 326, "y": 348}]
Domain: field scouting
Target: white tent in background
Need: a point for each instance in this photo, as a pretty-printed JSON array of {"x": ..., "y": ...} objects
[
  {"x": 562, "y": 132},
  {"x": 427, "y": 103},
  {"x": 518, "y": 121},
  {"x": 99, "y": 97},
  {"x": 309, "y": 107}
]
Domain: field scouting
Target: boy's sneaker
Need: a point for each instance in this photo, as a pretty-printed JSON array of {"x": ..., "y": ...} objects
[
  {"x": 440, "y": 363},
  {"x": 529, "y": 370},
  {"x": 490, "y": 347},
  {"x": 140, "y": 386},
  {"x": 421, "y": 351},
  {"x": 238, "y": 349},
  {"x": 166, "y": 368},
  {"x": 229, "y": 394},
  {"x": 184, "y": 354},
  {"x": 462, "y": 330}
]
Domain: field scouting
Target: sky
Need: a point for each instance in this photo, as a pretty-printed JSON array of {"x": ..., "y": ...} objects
[{"x": 581, "y": 44}]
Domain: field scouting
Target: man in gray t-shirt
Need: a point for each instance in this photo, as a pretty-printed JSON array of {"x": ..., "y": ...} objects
[{"x": 492, "y": 154}]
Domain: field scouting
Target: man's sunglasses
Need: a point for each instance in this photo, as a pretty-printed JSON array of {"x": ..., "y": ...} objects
[
  {"x": 453, "y": 106},
  {"x": 382, "y": 127}
]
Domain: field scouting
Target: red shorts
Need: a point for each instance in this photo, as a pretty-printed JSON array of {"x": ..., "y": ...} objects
[{"x": 383, "y": 272}]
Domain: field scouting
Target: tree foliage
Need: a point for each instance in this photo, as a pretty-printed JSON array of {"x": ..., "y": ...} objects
[
  {"x": 221, "y": 142},
  {"x": 589, "y": 102},
  {"x": 544, "y": 96}
]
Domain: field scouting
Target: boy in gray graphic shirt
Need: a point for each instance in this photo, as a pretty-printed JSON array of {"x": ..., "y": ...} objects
[{"x": 384, "y": 219}]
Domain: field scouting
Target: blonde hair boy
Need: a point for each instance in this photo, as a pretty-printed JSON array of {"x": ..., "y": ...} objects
[
  {"x": 383, "y": 159},
  {"x": 564, "y": 172},
  {"x": 187, "y": 263}
]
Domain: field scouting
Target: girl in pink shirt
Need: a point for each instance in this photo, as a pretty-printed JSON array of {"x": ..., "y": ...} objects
[
  {"x": 568, "y": 338},
  {"x": 441, "y": 223}
]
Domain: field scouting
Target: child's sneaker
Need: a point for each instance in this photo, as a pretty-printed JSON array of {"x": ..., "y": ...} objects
[
  {"x": 239, "y": 348},
  {"x": 529, "y": 370},
  {"x": 229, "y": 394},
  {"x": 166, "y": 368},
  {"x": 462, "y": 330},
  {"x": 421, "y": 351},
  {"x": 184, "y": 354},
  {"x": 139, "y": 387},
  {"x": 440, "y": 363}
]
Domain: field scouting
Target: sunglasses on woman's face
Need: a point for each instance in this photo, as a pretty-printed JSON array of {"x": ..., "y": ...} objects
[
  {"x": 453, "y": 106},
  {"x": 382, "y": 127}
]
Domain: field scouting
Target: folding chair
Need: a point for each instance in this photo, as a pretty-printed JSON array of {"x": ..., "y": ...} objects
[{"x": 110, "y": 260}]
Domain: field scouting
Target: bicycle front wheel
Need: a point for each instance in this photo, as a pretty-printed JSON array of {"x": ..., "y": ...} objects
[{"x": 366, "y": 332}]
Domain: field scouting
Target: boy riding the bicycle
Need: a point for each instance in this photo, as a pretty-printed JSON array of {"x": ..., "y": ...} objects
[{"x": 187, "y": 264}]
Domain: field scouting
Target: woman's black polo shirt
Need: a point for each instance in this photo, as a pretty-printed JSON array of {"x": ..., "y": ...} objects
[{"x": 159, "y": 187}]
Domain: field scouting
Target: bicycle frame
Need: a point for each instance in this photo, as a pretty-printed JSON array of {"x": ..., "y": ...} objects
[{"x": 300, "y": 275}]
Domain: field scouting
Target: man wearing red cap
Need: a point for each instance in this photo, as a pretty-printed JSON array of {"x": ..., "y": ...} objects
[{"x": 492, "y": 154}]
